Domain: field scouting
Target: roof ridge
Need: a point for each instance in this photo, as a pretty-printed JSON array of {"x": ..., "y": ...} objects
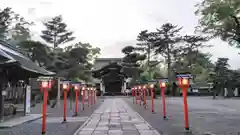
[{"x": 14, "y": 48}]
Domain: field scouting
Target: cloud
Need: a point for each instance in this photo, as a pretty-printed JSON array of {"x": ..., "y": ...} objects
[
  {"x": 115, "y": 50},
  {"x": 110, "y": 24}
]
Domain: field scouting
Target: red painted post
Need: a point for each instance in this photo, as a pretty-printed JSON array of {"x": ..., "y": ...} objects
[
  {"x": 65, "y": 107},
  {"x": 76, "y": 89},
  {"x": 139, "y": 95},
  {"x": 65, "y": 90},
  {"x": 185, "y": 89},
  {"x": 44, "y": 112},
  {"x": 152, "y": 97},
  {"x": 163, "y": 103},
  {"x": 163, "y": 86},
  {"x": 88, "y": 97},
  {"x": 91, "y": 95},
  {"x": 76, "y": 103},
  {"x": 44, "y": 88},
  {"x": 184, "y": 85}
]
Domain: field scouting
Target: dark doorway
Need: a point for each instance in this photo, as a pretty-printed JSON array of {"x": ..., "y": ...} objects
[{"x": 113, "y": 88}]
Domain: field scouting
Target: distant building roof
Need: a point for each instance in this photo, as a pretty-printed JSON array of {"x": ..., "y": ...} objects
[
  {"x": 109, "y": 59},
  {"x": 102, "y": 62},
  {"x": 15, "y": 55}
]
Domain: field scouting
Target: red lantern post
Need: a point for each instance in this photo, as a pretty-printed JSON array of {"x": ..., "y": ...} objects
[
  {"x": 152, "y": 97},
  {"x": 184, "y": 85},
  {"x": 65, "y": 91},
  {"x": 45, "y": 85},
  {"x": 83, "y": 96},
  {"x": 139, "y": 96},
  {"x": 76, "y": 89},
  {"x": 163, "y": 87},
  {"x": 88, "y": 97}
]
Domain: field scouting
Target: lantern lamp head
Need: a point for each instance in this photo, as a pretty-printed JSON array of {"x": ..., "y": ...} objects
[
  {"x": 185, "y": 81},
  {"x": 65, "y": 86},
  {"x": 44, "y": 84},
  {"x": 139, "y": 87},
  {"x": 163, "y": 84},
  {"x": 76, "y": 87},
  {"x": 151, "y": 86}
]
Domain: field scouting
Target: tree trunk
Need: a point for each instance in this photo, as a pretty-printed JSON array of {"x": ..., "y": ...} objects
[
  {"x": 169, "y": 68},
  {"x": 148, "y": 60},
  {"x": 148, "y": 55}
]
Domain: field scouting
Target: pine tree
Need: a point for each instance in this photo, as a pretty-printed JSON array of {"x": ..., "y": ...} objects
[{"x": 56, "y": 32}]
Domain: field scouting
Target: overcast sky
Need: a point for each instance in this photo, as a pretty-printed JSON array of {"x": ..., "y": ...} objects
[{"x": 113, "y": 24}]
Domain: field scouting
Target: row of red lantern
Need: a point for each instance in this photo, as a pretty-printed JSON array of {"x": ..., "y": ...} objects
[
  {"x": 66, "y": 86},
  {"x": 183, "y": 84},
  {"x": 46, "y": 86},
  {"x": 143, "y": 89},
  {"x": 145, "y": 86}
]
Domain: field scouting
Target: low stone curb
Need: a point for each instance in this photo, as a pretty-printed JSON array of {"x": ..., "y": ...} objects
[
  {"x": 155, "y": 131},
  {"x": 83, "y": 125},
  {"x": 2, "y": 126}
]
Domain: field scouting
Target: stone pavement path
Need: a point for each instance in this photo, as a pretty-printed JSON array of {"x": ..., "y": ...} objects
[{"x": 115, "y": 117}]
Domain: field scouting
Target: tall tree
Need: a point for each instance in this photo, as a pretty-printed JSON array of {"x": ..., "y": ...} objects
[
  {"x": 80, "y": 57},
  {"x": 166, "y": 39},
  {"x": 130, "y": 62},
  {"x": 220, "y": 18},
  {"x": 221, "y": 75},
  {"x": 145, "y": 44},
  {"x": 5, "y": 21},
  {"x": 56, "y": 32},
  {"x": 13, "y": 27},
  {"x": 190, "y": 49}
]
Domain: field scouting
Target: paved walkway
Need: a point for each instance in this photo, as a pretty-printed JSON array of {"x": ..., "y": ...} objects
[
  {"x": 115, "y": 117},
  {"x": 54, "y": 121}
]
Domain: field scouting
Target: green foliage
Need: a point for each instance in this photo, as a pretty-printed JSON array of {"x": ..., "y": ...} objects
[
  {"x": 71, "y": 62},
  {"x": 166, "y": 41},
  {"x": 221, "y": 70},
  {"x": 130, "y": 61},
  {"x": 145, "y": 44},
  {"x": 220, "y": 18},
  {"x": 128, "y": 50},
  {"x": 56, "y": 32},
  {"x": 13, "y": 27},
  {"x": 38, "y": 51}
]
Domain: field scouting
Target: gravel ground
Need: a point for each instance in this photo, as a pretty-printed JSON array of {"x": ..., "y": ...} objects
[
  {"x": 53, "y": 128},
  {"x": 219, "y": 117}
]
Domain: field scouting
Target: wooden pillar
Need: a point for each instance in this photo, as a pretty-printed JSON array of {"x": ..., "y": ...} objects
[
  {"x": 27, "y": 83},
  {"x": 1, "y": 102},
  {"x": 59, "y": 93},
  {"x": 3, "y": 80}
]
